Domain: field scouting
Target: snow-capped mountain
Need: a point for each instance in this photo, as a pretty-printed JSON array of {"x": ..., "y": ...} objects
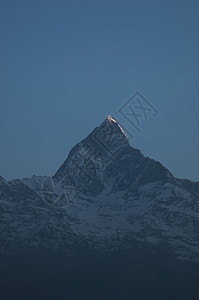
[{"x": 107, "y": 195}]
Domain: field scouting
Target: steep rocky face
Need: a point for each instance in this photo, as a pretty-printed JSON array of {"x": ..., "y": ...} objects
[
  {"x": 88, "y": 160},
  {"x": 105, "y": 196},
  {"x": 105, "y": 158}
]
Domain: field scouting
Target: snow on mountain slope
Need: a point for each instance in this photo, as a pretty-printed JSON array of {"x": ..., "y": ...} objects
[{"x": 107, "y": 194}]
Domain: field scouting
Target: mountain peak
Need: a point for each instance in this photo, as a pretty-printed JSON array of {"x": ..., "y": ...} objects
[
  {"x": 103, "y": 143},
  {"x": 109, "y": 119}
]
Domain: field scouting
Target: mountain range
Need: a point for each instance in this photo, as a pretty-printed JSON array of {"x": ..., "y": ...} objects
[{"x": 107, "y": 205}]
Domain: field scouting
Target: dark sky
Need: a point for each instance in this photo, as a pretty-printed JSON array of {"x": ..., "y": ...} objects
[{"x": 66, "y": 65}]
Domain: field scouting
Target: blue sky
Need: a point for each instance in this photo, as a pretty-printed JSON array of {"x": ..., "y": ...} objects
[{"x": 66, "y": 65}]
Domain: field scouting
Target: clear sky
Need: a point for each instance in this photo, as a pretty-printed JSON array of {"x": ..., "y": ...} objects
[{"x": 66, "y": 65}]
